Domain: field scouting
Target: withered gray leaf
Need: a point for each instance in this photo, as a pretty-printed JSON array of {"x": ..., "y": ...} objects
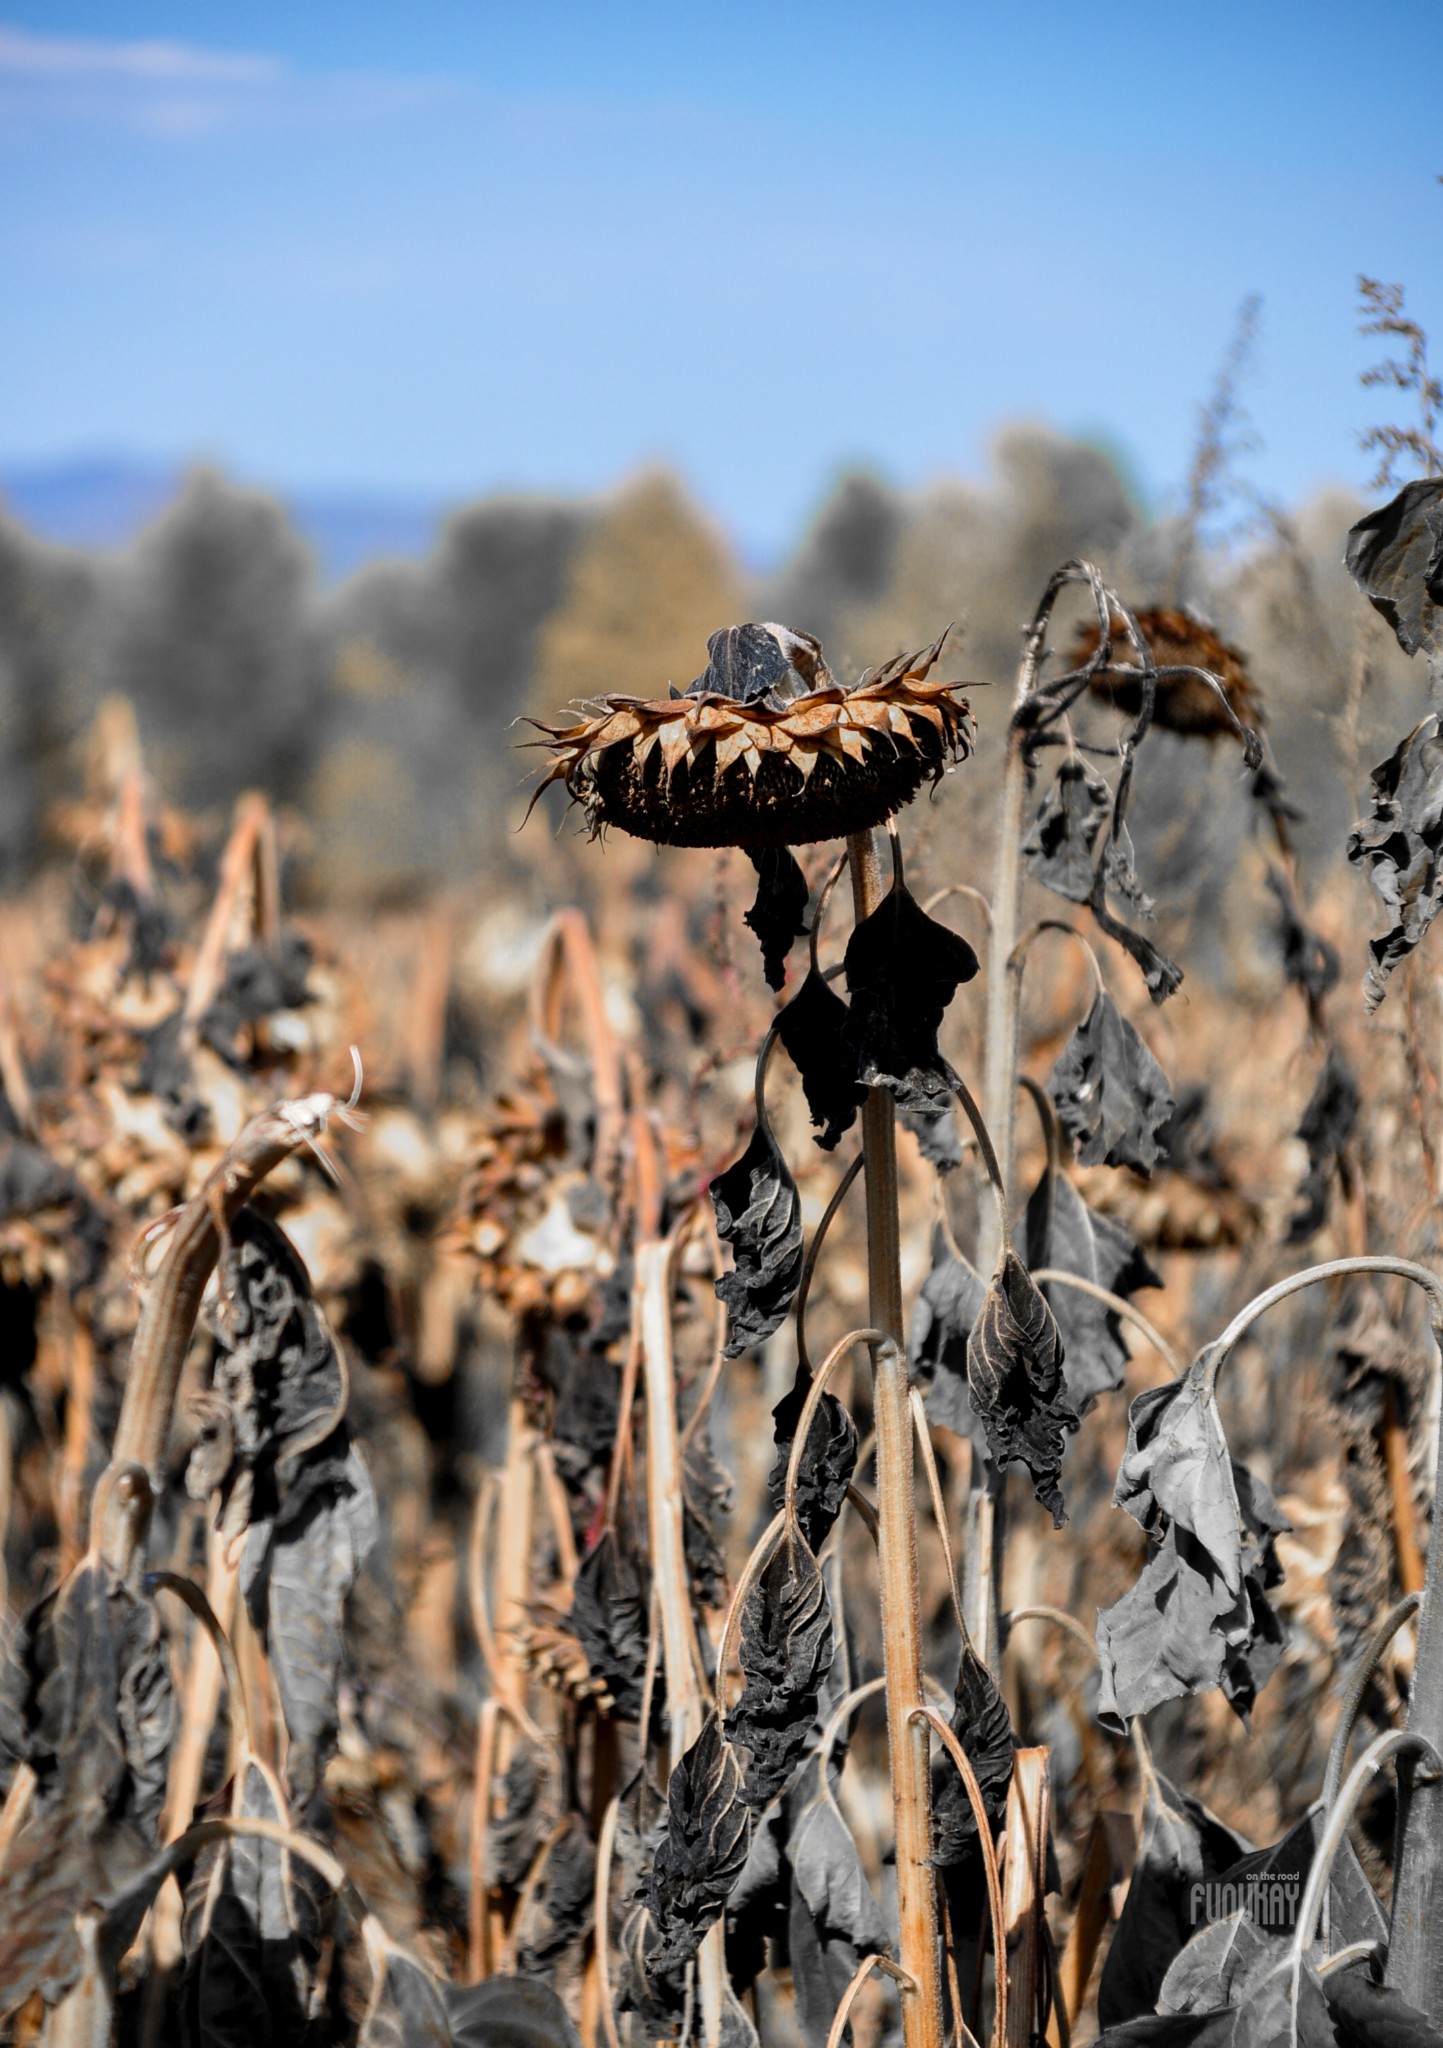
[
  {"x": 1014, "y": 1373},
  {"x": 903, "y": 969},
  {"x": 982, "y": 1725},
  {"x": 1395, "y": 556},
  {"x": 1198, "y": 1615},
  {"x": 706, "y": 1496},
  {"x": 779, "y": 914},
  {"x": 609, "y": 1614},
  {"x": 1399, "y": 847},
  {"x": 1163, "y": 976},
  {"x": 700, "y": 1857},
  {"x": 949, "y": 1304},
  {"x": 1059, "y": 847},
  {"x": 1310, "y": 962},
  {"x": 1326, "y": 1127},
  {"x": 1062, "y": 1232},
  {"x": 766, "y": 664},
  {"x": 1112, "y": 1097},
  {"x": 828, "y": 1459},
  {"x": 250, "y": 1944},
  {"x": 936, "y": 1133},
  {"x": 561, "y": 1910},
  {"x": 1183, "y": 1846},
  {"x": 295, "y": 1574},
  {"x": 1369, "y": 2015},
  {"x": 816, "y": 1029},
  {"x": 412, "y": 2009},
  {"x": 833, "y": 1919},
  {"x": 786, "y": 1652},
  {"x": 759, "y": 1214}
]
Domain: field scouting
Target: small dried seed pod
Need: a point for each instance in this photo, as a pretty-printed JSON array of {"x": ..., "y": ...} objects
[
  {"x": 765, "y": 748},
  {"x": 1183, "y": 704}
]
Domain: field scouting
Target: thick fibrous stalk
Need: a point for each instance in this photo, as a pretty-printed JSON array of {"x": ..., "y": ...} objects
[{"x": 921, "y": 1999}]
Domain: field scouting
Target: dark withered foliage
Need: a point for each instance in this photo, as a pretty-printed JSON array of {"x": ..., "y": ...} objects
[
  {"x": 1399, "y": 848},
  {"x": 1062, "y": 1232},
  {"x": 949, "y": 1304},
  {"x": 816, "y": 1030},
  {"x": 828, "y": 1459},
  {"x": 1059, "y": 847},
  {"x": 1327, "y": 1125},
  {"x": 1366, "y": 2014},
  {"x": 1111, "y": 1096},
  {"x": 86, "y": 1702},
  {"x": 903, "y": 969},
  {"x": 1014, "y": 1373},
  {"x": 275, "y": 1447},
  {"x": 759, "y": 1214},
  {"x": 259, "y": 980},
  {"x": 560, "y": 1915},
  {"x": 1395, "y": 556},
  {"x": 1183, "y": 1845},
  {"x": 706, "y": 1496},
  {"x": 981, "y": 1723},
  {"x": 1199, "y": 1615},
  {"x": 700, "y": 1856},
  {"x": 609, "y": 1614},
  {"x": 832, "y": 1919},
  {"x": 1309, "y": 962},
  {"x": 779, "y": 914},
  {"x": 787, "y": 1647},
  {"x": 410, "y": 2008},
  {"x": 252, "y": 1939},
  {"x": 528, "y": 1813}
]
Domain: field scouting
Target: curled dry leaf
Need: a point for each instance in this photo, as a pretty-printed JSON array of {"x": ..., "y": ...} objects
[
  {"x": 1059, "y": 847},
  {"x": 1395, "y": 556},
  {"x": 700, "y": 1857},
  {"x": 828, "y": 1459},
  {"x": 779, "y": 914},
  {"x": 1111, "y": 1096},
  {"x": 787, "y": 1647},
  {"x": 982, "y": 1725},
  {"x": 759, "y": 1214},
  {"x": 816, "y": 1030},
  {"x": 1014, "y": 1373},
  {"x": 1199, "y": 1615},
  {"x": 1062, "y": 1232},
  {"x": 276, "y": 1447},
  {"x": 560, "y": 1914},
  {"x": 1400, "y": 848},
  {"x": 903, "y": 969},
  {"x": 1327, "y": 1125},
  {"x": 936, "y": 1133}
]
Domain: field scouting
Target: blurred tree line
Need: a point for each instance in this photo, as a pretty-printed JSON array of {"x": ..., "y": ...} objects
[{"x": 382, "y": 709}]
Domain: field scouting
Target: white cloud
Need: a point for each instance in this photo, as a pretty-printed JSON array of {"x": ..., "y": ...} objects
[{"x": 81, "y": 59}]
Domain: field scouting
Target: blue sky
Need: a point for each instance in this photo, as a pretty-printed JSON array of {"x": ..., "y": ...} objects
[{"x": 451, "y": 247}]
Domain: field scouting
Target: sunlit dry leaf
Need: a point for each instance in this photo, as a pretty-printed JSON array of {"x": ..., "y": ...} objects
[
  {"x": 1395, "y": 556},
  {"x": 759, "y": 1214},
  {"x": 1112, "y": 1097},
  {"x": 1199, "y": 1614},
  {"x": 903, "y": 969},
  {"x": 700, "y": 1857},
  {"x": 1059, "y": 847},
  {"x": 609, "y": 1614},
  {"x": 1014, "y": 1373}
]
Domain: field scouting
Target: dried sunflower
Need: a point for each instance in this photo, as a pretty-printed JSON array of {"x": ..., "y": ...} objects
[
  {"x": 765, "y": 748},
  {"x": 1184, "y": 703}
]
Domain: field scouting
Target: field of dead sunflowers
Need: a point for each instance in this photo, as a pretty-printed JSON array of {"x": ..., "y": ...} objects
[{"x": 456, "y": 1573}]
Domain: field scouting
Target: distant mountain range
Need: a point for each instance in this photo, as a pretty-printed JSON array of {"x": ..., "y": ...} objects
[{"x": 103, "y": 501}]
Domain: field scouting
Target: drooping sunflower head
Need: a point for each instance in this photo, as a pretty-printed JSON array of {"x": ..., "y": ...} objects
[{"x": 765, "y": 748}]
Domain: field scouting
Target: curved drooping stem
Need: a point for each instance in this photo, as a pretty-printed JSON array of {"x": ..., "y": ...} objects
[
  {"x": 1359, "y": 1679},
  {"x": 929, "y": 1717},
  {"x": 1415, "y": 1955},
  {"x": 837, "y": 2032},
  {"x": 813, "y": 1401},
  {"x": 921, "y": 2000},
  {"x": 1119, "y": 1306},
  {"x": 814, "y": 1250},
  {"x": 1024, "y": 945}
]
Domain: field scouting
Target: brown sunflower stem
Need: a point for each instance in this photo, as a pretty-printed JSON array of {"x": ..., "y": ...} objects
[{"x": 921, "y": 1999}]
